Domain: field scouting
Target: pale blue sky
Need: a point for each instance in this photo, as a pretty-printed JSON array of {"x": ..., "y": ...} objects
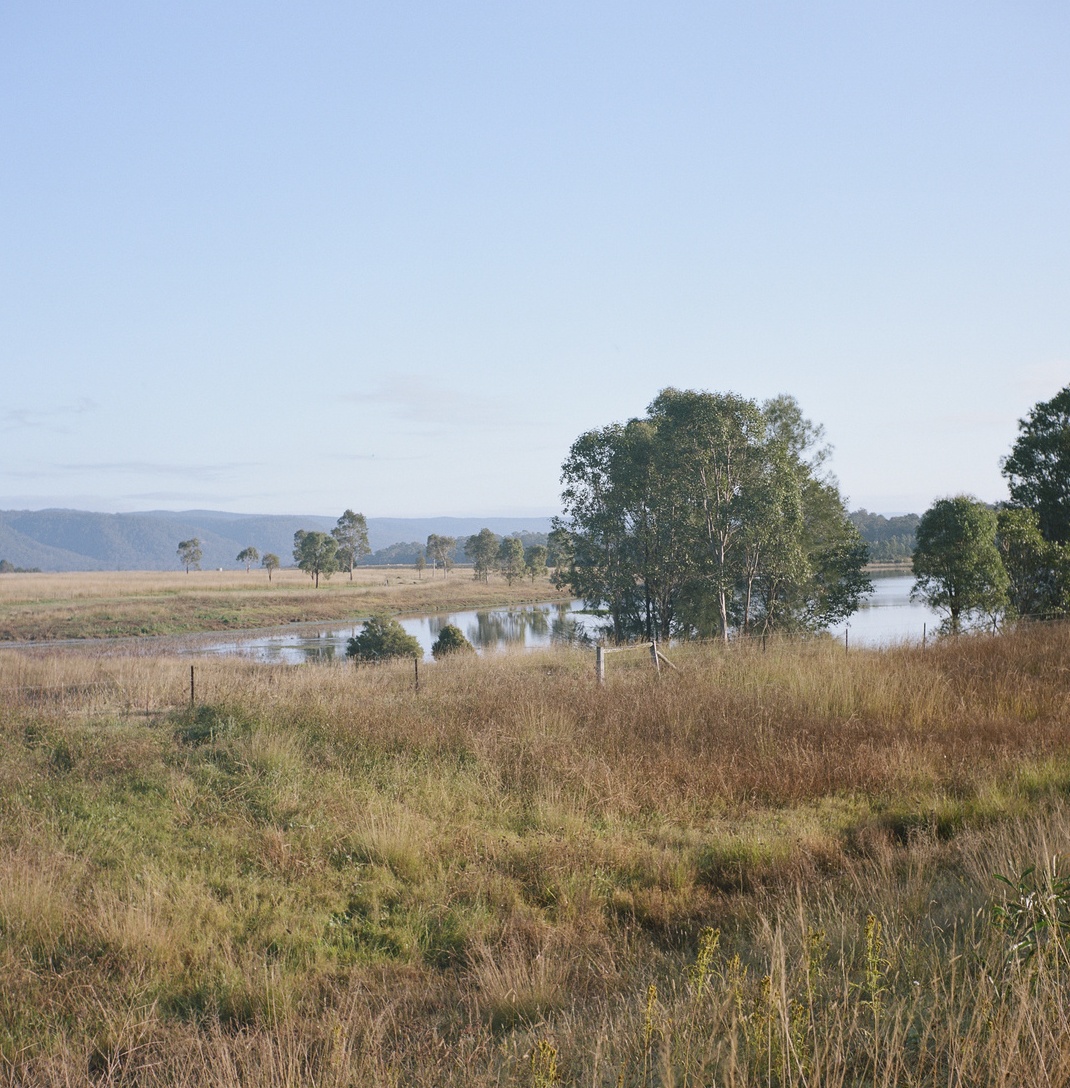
[{"x": 294, "y": 258}]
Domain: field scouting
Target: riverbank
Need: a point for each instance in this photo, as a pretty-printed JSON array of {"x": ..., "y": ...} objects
[{"x": 123, "y": 604}]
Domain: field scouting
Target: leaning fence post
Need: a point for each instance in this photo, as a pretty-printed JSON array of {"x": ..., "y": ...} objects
[
  {"x": 654, "y": 655},
  {"x": 600, "y": 665}
]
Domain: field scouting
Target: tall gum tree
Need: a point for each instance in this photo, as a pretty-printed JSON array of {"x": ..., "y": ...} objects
[
  {"x": 707, "y": 517},
  {"x": 957, "y": 565}
]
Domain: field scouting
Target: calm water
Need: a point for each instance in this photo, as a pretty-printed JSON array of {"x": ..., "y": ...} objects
[
  {"x": 488, "y": 630},
  {"x": 888, "y": 616}
]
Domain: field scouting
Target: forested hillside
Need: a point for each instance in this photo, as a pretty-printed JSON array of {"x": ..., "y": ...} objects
[
  {"x": 59, "y": 540},
  {"x": 890, "y": 540}
]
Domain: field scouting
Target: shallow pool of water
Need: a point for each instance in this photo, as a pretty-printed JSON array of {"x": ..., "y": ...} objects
[
  {"x": 488, "y": 630},
  {"x": 888, "y": 616}
]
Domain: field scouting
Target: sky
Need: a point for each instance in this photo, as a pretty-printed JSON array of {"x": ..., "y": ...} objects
[{"x": 295, "y": 258}]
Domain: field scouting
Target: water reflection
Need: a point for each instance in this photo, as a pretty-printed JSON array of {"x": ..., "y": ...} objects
[
  {"x": 887, "y": 617},
  {"x": 488, "y": 630}
]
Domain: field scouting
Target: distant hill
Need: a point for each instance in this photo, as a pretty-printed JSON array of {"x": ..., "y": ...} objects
[{"x": 81, "y": 540}]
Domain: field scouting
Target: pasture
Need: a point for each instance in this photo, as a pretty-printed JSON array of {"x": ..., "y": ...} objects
[
  {"x": 766, "y": 869},
  {"x": 116, "y": 604}
]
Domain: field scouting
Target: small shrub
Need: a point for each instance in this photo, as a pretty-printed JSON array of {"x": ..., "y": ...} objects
[
  {"x": 451, "y": 640},
  {"x": 381, "y": 639}
]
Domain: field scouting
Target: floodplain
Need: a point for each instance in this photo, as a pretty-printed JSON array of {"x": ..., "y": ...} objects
[
  {"x": 125, "y": 604},
  {"x": 764, "y": 868}
]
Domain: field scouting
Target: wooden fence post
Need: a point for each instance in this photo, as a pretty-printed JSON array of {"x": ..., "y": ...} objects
[
  {"x": 191, "y": 685},
  {"x": 600, "y": 665},
  {"x": 654, "y": 655}
]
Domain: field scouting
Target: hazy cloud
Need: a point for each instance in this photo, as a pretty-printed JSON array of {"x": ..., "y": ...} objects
[
  {"x": 52, "y": 419},
  {"x": 134, "y": 468},
  {"x": 419, "y": 400}
]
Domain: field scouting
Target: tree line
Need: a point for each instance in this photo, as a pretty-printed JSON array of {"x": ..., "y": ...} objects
[
  {"x": 708, "y": 516},
  {"x": 983, "y": 565},
  {"x": 322, "y": 554},
  {"x": 890, "y": 540}
]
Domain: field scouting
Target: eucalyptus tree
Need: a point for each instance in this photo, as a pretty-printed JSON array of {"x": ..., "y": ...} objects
[
  {"x": 351, "y": 535},
  {"x": 1038, "y": 570},
  {"x": 705, "y": 517},
  {"x": 535, "y": 561},
  {"x": 482, "y": 549},
  {"x": 316, "y": 554},
  {"x": 248, "y": 556},
  {"x": 510, "y": 558},
  {"x": 270, "y": 562},
  {"x": 189, "y": 554},
  {"x": 957, "y": 565},
  {"x": 440, "y": 552}
]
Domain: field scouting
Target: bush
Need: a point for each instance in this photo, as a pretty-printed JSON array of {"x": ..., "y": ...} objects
[
  {"x": 383, "y": 638},
  {"x": 451, "y": 640}
]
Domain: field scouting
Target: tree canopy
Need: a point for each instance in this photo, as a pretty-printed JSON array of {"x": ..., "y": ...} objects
[
  {"x": 381, "y": 639},
  {"x": 1038, "y": 570},
  {"x": 351, "y": 535},
  {"x": 270, "y": 563},
  {"x": 1038, "y": 466},
  {"x": 248, "y": 556},
  {"x": 707, "y": 516},
  {"x": 189, "y": 554},
  {"x": 482, "y": 549},
  {"x": 535, "y": 561},
  {"x": 451, "y": 640},
  {"x": 316, "y": 554},
  {"x": 511, "y": 558},
  {"x": 957, "y": 565},
  {"x": 440, "y": 552}
]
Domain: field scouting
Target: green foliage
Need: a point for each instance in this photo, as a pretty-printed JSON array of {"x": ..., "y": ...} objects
[
  {"x": 270, "y": 562},
  {"x": 382, "y": 638},
  {"x": 1035, "y": 915},
  {"x": 189, "y": 554},
  {"x": 351, "y": 535},
  {"x": 316, "y": 554},
  {"x": 890, "y": 540},
  {"x": 535, "y": 561},
  {"x": 451, "y": 640},
  {"x": 707, "y": 517},
  {"x": 1038, "y": 466},
  {"x": 440, "y": 550},
  {"x": 248, "y": 556},
  {"x": 1038, "y": 570},
  {"x": 957, "y": 566},
  {"x": 482, "y": 549},
  {"x": 510, "y": 558}
]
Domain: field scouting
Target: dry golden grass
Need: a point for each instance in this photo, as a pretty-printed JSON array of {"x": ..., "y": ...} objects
[
  {"x": 320, "y": 876},
  {"x": 137, "y": 603}
]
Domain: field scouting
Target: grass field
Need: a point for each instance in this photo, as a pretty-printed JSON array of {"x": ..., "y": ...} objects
[
  {"x": 118, "y": 604},
  {"x": 767, "y": 869}
]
